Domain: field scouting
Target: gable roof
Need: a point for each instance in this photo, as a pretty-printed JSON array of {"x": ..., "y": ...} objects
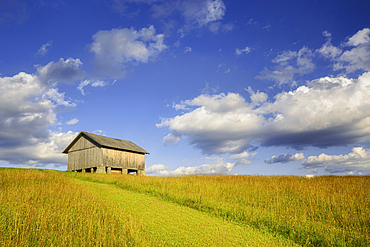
[{"x": 107, "y": 142}]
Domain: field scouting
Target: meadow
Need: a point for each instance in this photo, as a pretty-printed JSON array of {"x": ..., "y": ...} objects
[
  {"x": 50, "y": 208},
  {"x": 320, "y": 211},
  {"x": 46, "y": 208}
]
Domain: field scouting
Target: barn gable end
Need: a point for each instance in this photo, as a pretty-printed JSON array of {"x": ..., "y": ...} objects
[
  {"x": 81, "y": 144},
  {"x": 93, "y": 153}
]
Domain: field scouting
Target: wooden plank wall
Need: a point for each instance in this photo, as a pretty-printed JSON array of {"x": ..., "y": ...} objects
[
  {"x": 81, "y": 144},
  {"x": 122, "y": 159},
  {"x": 87, "y": 158}
]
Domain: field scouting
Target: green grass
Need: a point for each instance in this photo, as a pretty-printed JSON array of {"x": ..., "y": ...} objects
[
  {"x": 322, "y": 211},
  {"x": 169, "y": 224}
]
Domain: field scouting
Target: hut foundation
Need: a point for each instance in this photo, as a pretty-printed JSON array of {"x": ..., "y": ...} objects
[{"x": 100, "y": 169}]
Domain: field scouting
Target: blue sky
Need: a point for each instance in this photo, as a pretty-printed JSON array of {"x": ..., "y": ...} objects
[{"x": 207, "y": 87}]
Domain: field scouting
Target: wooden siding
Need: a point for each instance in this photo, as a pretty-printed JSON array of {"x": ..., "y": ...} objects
[
  {"x": 87, "y": 158},
  {"x": 81, "y": 144},
  {"x": 122, "y": 159}
]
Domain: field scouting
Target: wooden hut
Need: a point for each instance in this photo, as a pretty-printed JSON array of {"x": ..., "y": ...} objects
[{"x": 94, "y": 153}]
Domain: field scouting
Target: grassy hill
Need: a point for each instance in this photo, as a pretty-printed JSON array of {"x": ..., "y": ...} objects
[{"x": 50, "y": 208}]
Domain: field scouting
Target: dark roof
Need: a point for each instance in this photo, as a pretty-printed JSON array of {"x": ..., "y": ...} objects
[{"x": 103, "y": 141}]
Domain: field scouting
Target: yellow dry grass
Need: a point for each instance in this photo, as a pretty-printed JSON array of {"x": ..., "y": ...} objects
[
  {"x": 45, "y": 208},
  {"x": 321, "y": 211}
]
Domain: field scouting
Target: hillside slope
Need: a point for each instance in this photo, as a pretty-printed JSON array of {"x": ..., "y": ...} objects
[{"x": 166, "y": 223}]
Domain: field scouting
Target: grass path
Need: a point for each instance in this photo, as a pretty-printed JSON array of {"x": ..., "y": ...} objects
[{"x": 168, "y": 224}]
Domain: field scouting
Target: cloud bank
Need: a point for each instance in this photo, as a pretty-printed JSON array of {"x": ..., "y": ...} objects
[
  {"x": 285, "y": 158},
  {"x": 329, "y": 111},
  {"x": 357, "y": 160},
  {"x": 216, "y": 166},
  {"x": 325, "y": 112},
  {"x": 27, "y": 104}
]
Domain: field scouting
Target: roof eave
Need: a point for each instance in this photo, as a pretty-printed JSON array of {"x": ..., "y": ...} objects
[
  {"x": 127, "y": 150},
  {"x": 95, "y": 142}
]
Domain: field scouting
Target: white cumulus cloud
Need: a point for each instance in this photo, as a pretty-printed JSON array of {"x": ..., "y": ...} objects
[
  {"x": 26, "y": 112},
  {"x": 329, "y": 111},
  {"x": 358, "y": 57},
  {"x": 220, "y": 123},
  {"x": 216, "y": 166},
  {"x": 113, "y": 49},
  {"x": 156, "y": 169},
  {"x": 62, "y": 71},
  {"x": 362, "y": 37},
  {"x": 353, "y": 55},
  {"x": 328, "y": 50},
  {"x": 357, "y": 160}
]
